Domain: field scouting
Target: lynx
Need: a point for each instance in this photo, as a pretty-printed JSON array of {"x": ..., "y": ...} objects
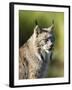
[{"x": 35, "y": 55}]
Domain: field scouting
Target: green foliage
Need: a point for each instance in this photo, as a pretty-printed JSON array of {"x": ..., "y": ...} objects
[{"x": 26, "y": 26}]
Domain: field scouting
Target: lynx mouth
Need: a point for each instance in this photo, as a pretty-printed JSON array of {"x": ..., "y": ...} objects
[{"x": 51, "y": 48}]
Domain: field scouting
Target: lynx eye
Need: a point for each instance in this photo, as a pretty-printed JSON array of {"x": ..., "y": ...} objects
[{"x": 46, "y": 39}]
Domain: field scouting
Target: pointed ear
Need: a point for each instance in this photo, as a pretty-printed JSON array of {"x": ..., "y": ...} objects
[
  {"x": 37, "y": 30},
  {"x": 49, "y": 29}
]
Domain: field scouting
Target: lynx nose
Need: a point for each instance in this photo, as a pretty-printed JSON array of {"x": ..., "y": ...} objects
[{"x": 52, "y": 45}]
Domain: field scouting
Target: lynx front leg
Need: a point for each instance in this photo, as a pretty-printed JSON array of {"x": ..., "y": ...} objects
[
  {"x": 32, "y": 72},
  {"x": 21, "y": 70}
]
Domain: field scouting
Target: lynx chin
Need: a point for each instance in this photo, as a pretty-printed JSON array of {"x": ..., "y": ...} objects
[{"x": 35, "y": 55}]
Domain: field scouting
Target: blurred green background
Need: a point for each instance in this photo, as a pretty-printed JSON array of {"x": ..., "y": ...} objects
[{"x": 26, "y": 26}]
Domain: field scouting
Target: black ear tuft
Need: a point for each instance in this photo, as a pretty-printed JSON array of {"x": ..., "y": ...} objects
[
  {"x": 37, "y": 28},
  {"x": 53, "y": 21},
  {"x": 36, "y": 22}
]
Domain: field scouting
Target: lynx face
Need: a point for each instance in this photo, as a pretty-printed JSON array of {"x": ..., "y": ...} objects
[{"x": 44, "y": 38}]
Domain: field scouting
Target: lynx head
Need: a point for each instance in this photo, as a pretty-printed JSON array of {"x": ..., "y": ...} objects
[{"x": 44, "y": 37}]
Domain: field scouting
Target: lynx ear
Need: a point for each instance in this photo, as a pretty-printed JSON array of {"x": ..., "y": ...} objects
[
  {"x": 49, "y": 29},
  {"x": 37, "y": 30}
]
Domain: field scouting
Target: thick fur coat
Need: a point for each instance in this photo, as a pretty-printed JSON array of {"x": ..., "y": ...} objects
[{"x": 35, "y": 54}]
